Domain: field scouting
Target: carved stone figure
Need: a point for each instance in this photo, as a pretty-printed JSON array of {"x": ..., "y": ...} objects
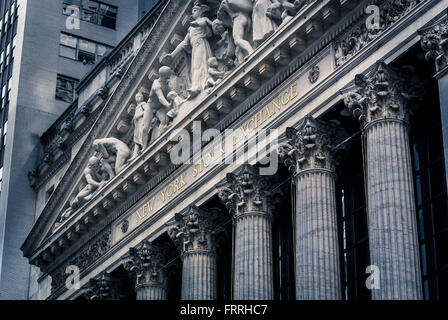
[
  {"x": 291, "y": 9},
  {"x": 141, "y": 123},
  {"x": 225, "y": 47},
  {"x": 94, "y": 176},
  {"x": 314, "y": 74},
  {"x": 239, "y": 12},
  {"x": 159, "y": 102},
  {"x": 112, "y": 148},
  {"x": 176, "y": 102},
  {"x": 102, "y": 288},
  {"x": 216, "y": 75},
  {"x": 263, "y": 25},
  {"x": 360, "y": 36},
  {"x": 283, "y": 12},
  {"x": 435, "y": 43},
  {"x": 275, "y": 13},
  {"x": 196, "y": 43}
]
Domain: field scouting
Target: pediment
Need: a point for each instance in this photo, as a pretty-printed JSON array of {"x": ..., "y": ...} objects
[
  {"x": 114, "y": 122},
  {"x": 190, "y": 68}
]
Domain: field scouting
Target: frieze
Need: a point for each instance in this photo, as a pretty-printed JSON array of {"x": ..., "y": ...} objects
[
  {"x": 435, "y": 43},
  {"x": 86, "y": 257},
  {"x": 360, "y": 35}
]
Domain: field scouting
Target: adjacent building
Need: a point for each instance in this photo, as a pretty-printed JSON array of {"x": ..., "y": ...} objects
[{"x": 47, "y": 47}]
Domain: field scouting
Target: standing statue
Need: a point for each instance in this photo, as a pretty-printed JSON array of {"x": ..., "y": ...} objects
[
  {"x": 112, "y": 148},
  {"x": 225, "y": 47},
  {"x": 196, "y": 43},
  {"x": 263, "y": 25},
  {"x": 158, "y": 101},
  {"x": 239, "y": 12},
  {"x": 141, "y": 123}
]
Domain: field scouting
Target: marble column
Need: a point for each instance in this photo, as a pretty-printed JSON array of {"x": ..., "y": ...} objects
[
  {"x": 309, "y": 155},
  {"x": 435, "y": 43},
  {"x": 382, "y": 101},
  {"x": 246, "y": 195},
  {"x": 146, "y": 265},
  {"x": 194, "y": 233},
  {"x": 101, "y": 288}
]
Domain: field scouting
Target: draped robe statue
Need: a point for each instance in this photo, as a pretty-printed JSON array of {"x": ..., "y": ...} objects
[
  {"x": 263, "y": 25},
  {"x": 141, "y": 125},
  {"x": 196, "y": 43}
]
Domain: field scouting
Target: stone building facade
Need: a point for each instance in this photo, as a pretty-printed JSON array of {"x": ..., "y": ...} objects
[{"x": 257, "y": 150}]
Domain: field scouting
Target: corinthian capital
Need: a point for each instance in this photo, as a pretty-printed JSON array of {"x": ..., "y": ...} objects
[
  {"x": 310, "y": 146},
  {"x": 145, "y": 263},
  {"x": 383, "y": 93},
  {"x": 246, "y": 192},
  {"x": 435, "y": 42},
  {"x": 195, "y": 230},
  {"x": 101, "y": 288}
]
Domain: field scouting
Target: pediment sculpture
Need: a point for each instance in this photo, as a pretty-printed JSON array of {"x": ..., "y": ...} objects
[
  {"x": 220, "y": 37},
  {"x": 110, "y": 157}
]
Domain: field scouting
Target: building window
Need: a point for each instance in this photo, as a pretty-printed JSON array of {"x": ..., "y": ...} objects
[
  {"x": 86, "y": 51},
  {"x": 93, "y": 12},
  {"x": 283, "y": 244},
  {"x": 431, "y": 197},
  {"x": 65, "y": 88},
  {"x": 1, "y": 178},
  {"x": 353, "y": 230}
]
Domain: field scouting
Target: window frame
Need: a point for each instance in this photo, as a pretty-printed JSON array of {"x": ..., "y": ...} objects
[
  {"x": 98, "y": 14},
  {"x": 422, "y": 166},
  {"x": 78, "y": 50},
  {"x": 74, "y": 81}
]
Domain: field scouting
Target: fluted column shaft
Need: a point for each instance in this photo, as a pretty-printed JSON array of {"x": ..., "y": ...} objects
[
  {"x": 309, "y": 154},
  {"x": 253, "y": 275},
  {"x": 249, "y": 198},
  {"x": 199, "y": 275},
  {"x": 195, "y": 234},
  {"x": 393, "y": 235},
  {"x": 151, "y": 292},
  {"x": 317, "y": 249},
  {"x": 382, "y": 101}
]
